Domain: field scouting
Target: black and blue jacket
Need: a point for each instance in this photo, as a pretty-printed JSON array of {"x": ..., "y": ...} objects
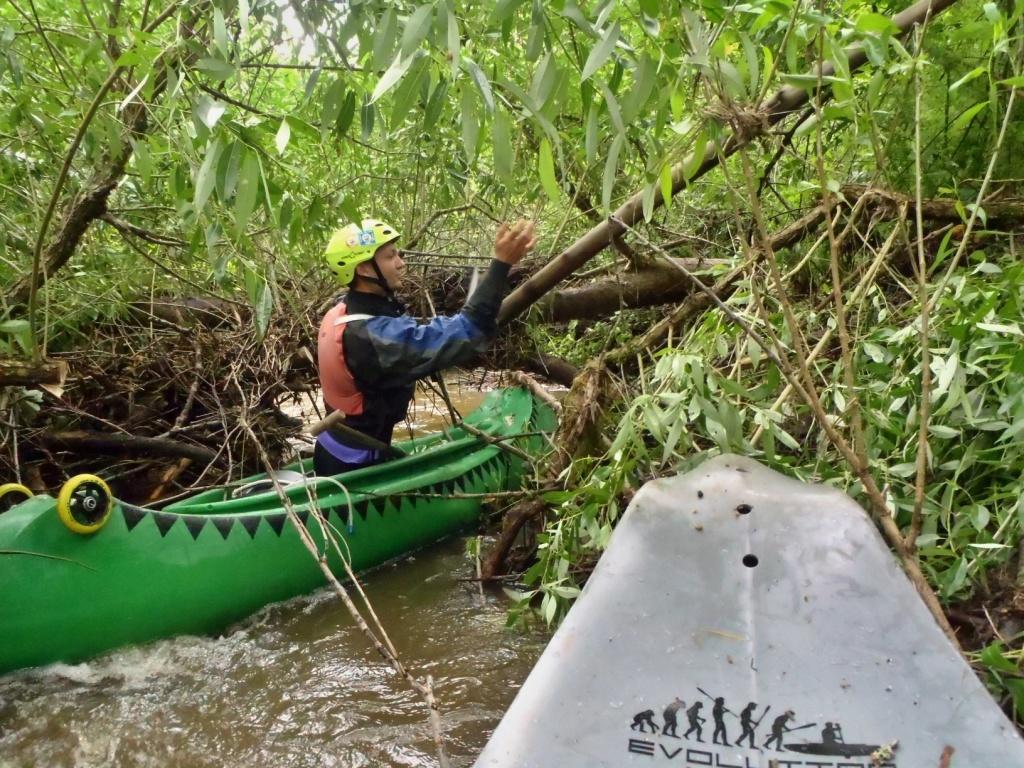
[{"x": 387, "y": 353}]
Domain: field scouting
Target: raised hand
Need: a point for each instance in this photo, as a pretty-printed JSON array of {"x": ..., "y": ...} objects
[{"x": 515, "y": 241}]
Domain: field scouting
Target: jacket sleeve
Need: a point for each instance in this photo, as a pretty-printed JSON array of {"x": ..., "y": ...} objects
[{"x": 388, "y": 352}]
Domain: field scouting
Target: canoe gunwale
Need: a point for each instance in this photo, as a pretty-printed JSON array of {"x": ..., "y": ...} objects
[{"x": 381, "y": 477}]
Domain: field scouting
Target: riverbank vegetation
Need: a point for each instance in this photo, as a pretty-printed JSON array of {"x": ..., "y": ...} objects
[{"x": 785, "y": 230}]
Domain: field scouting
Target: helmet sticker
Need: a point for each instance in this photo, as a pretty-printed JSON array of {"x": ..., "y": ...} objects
[{"x": 366, "y": 237}]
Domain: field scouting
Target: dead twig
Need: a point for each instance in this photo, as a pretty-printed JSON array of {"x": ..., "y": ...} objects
[{"x": 381, "y": 643}]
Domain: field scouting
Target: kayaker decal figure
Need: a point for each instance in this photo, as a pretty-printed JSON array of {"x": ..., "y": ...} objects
[
  {"x": 670, "y": 716},
  {"x": 831, "y": 733},
  {"x": 832, "y": 743},
  {"x": 693, "y": 715},
  {"x": 643, "y": 719}
]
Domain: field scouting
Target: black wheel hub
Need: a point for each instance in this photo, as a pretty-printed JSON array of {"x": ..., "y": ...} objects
[{"x": 88, "y": 503}]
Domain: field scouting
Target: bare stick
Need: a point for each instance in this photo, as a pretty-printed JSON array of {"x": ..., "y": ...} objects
[
  {"x": 529, "y": 383},
  {"x": 862, "y": 287},
  {"x": 786, "y": 101},
  {"x": 425, "y": 689},
  {"x": 807, "y": 391},
  {"x": 917, "y": 516},
  {"x": 955, "y": 261},
  {"x": 853, "y": 405}
]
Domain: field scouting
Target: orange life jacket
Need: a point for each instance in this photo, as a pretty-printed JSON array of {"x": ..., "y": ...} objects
[{"x": 336, "y": 381}]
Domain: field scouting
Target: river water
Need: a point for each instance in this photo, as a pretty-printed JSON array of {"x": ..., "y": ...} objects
[{"x": 295, "y": 685}]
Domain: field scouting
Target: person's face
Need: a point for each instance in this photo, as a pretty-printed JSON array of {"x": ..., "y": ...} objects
[{"x": 392, "y": 267}]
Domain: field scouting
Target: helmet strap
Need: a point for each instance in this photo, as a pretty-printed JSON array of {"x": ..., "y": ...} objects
[{"x": 379, "y": 280}]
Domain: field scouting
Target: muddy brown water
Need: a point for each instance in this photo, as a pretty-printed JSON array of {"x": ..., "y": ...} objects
[{"x": 295, "y": 685}]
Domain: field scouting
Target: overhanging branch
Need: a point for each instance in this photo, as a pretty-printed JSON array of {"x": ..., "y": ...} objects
[{"x": 785, "y": 102}]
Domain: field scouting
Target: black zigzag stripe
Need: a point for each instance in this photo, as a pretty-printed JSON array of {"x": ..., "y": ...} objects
[
  {"x": 277, "y": 522},
  {"x": 362, "y": 508},
  {"x": 223, "y": 524},
  {"x": 340, "y": 515},
  {"x": 250, "y": 523},
  {"x": 164, "y": 522},
  {"x": 133, "y": 516},
  {"x": 195, "y": 524}
]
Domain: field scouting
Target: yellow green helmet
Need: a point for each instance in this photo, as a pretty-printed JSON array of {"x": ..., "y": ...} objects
[{"x": 354, "y": 244}]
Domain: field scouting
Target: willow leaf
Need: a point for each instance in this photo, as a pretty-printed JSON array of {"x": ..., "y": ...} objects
[
  {"x": 546, "y": 168},
  {"x": 611, "y": 168},
  {"x": 481, "y": 82},
  {"x": 206, "y": 176},
  {"x": 248, "y": 188},
  {"x": 393, "y": 74},
  {"x": 416, "y": 28},
  {"x": 454, "y": 43},
  {"x": 502, "y": 138},
  {"x": 470, "y": 122},
  {"x": 599, "y": 53},
  {"x": 283, "y": 136}
]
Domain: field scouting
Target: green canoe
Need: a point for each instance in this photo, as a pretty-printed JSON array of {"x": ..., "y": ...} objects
[{"x": 204, "y": 562}]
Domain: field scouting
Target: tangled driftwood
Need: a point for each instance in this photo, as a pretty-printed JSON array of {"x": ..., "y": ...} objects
[{"x": 168, "y": 381}]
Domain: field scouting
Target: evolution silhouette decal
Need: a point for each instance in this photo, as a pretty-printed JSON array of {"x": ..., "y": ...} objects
[{"x": 692, "y": 748}]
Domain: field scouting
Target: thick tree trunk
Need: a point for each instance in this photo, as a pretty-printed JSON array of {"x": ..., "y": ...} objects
[
  {"x": 785, "y": 102},
  {"x": 588, "y": 393},
  {"x": 659, "y": 284},
  {"x": 1004, "y": 213},
  {"x": 552, "y": 368}
]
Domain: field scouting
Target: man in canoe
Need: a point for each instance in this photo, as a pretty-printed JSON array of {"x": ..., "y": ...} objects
[{"x": 370, "y": 352}]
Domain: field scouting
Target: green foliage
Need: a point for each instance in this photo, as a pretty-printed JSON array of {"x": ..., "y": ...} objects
[
  {"x": 15, "y": 337},
  {"x": 401, "y": 109},
  {"x": 1003, "y": 672},
  {"x": 716, "y": 391}
]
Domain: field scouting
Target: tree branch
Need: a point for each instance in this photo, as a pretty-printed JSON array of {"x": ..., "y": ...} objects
[{"x": 786, "y": 101}]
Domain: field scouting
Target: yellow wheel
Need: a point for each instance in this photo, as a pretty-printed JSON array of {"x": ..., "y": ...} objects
[
  {"x": 12, "y": 494},
  {"x": 85, "y": 503}
]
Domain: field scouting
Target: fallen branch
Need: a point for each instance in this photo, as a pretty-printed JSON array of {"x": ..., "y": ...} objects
[
  {"x": 649, "y": 287},
  {"x": 493, "y": 566},
  {"x": 1003, "y": 213},
  {"x": 382, "y": 644},
  {"x": 553, "y": 368},
  {"x": 579, "y": 414},
  {"x": 17, "y": 373},
  {"x": 800, "y": 377},
  {"x": 533, "y": 386},
  {"x": 584, "y": 399},
  {"x": 85, "y": 441}
]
